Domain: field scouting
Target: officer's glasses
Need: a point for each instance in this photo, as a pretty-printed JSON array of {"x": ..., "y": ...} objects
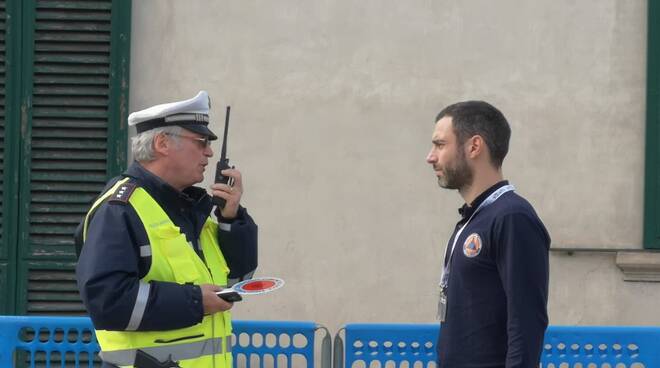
[{"x": 202, "y": 142}]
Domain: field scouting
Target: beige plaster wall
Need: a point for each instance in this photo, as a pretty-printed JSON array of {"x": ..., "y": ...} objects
[{"x": 332, "y": 111}]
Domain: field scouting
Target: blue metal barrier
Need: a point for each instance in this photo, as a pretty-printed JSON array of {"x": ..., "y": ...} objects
[
  {"x": 278, "y": 344},
  {"x": 60, "y": 341},
  {"x": 47, "y": 339},
  {"x": 70, "y": 340},
  {"x": 634, "y": 347},
  {"x": 392, "y": 344},
  {"x": 387, "y": 344}
]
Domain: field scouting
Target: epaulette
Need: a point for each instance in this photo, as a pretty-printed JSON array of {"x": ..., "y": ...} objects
[{"x": 123, "y": 193}]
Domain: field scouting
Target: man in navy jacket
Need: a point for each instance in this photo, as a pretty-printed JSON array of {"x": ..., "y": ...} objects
[
  {"x": 171, "y": 151},
  {"x": 494, "y": 285}
]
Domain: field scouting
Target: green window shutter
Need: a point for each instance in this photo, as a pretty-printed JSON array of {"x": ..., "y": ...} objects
[
  {"x": 4, "y": 194},
  {"x": 9, "y": 135},
  {"x": 3, "y": 237},
  {"x": 75, "y": 59},
  {"x": 652, "y": 174}
]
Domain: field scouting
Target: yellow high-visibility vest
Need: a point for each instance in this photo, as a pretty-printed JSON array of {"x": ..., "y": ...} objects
[{"x": 207, "y": 344}]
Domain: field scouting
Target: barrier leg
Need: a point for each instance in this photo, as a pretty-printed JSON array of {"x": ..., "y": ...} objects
[
  {"x": 338, "y": 352},
  {"x": 326, "y": 348}
]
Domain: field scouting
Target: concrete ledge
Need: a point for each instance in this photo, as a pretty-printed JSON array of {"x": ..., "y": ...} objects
[{"x": 639, "y": 265}]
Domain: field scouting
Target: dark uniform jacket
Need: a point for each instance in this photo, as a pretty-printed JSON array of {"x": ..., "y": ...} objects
[
  {"x": 498, "y": 287},
  {"x": 110, "y": 265}
]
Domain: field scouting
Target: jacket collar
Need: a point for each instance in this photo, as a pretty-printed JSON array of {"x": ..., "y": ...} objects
[
  {"x": 165, "y": 194},
  {"x": 467, "y": 210}
]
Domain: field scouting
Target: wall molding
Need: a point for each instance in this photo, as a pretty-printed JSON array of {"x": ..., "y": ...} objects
[{"x": 639, "y": 265}]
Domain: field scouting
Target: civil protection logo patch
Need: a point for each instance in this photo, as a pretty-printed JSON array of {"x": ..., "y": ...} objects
[{"x": 472, "y": 245}]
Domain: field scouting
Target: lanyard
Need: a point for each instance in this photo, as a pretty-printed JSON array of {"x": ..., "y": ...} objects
[{"x": 444, "y": 280}]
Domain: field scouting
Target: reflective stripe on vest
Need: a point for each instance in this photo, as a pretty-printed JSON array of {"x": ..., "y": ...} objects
[
  {"x": 174, "y": 352},
  {"x": 206, "y": 344}
]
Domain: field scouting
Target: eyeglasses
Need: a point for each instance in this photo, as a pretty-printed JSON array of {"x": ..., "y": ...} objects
[{"x": 202, "y": 142}]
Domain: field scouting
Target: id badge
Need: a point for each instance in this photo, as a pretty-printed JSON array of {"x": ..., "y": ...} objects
[{"x": 442, "y": 306}]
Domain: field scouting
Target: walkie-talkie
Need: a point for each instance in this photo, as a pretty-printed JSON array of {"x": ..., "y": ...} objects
[{"x": 223, "y": 164}]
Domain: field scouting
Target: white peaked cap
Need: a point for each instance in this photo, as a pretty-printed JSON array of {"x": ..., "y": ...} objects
[{"x": 191, "y": 114}]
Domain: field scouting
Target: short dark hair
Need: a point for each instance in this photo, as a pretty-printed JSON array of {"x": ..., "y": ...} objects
[{"x": 472, "y": 118}]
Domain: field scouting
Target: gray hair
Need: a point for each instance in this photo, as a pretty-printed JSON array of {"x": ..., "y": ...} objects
[{"x": 142, "y": 144}]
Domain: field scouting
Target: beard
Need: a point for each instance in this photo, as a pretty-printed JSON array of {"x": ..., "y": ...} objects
[{"x": 456, "y": 176}]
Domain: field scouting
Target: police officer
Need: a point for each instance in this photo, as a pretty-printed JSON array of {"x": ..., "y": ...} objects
[
  {"x": 494, "y": 285},
  {"x": 153, "y": 257}
]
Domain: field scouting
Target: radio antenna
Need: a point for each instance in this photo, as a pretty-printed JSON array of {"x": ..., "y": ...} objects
[{"x": 223, "y": 152}]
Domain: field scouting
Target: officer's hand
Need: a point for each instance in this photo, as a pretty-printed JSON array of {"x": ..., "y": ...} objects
[
  {"x": 212, "y": 302},
  {"x": 232, "y": 194}
]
